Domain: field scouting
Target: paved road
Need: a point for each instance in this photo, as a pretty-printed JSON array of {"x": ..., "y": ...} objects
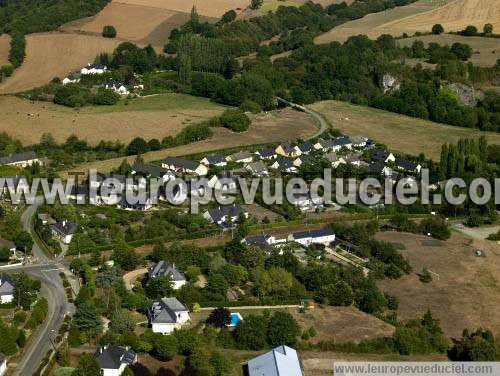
[
  {"x": 318, "y": 117},
  {"x": 47, "y": 271}
]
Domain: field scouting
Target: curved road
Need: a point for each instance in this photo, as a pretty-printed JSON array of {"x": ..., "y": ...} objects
[
  {"x": 47, "y": 271},
  {"x": 318, "y": 117}
]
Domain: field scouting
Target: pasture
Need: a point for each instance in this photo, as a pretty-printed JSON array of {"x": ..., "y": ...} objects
[
  {"x": 4, "y": 49},
  {"x": 153, "y": 117},
  {"x": 466, "y": 293},
  {"x": 50, "y": 55},
  {"x": 399, "y": 132}
]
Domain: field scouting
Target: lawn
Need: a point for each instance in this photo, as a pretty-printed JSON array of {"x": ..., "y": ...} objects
[{"x": 400, "y": 133}]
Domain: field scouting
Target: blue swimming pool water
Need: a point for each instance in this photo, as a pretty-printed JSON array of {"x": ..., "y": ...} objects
[{"x": 235, "y": 318}]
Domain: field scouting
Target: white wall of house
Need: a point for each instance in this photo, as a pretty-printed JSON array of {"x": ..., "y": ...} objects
[
  {"x": 3, "y": 367},
  {"x": 113, "y": 372},
  {"x": 4, "y": 299},
  {"x": 163, "y": 328},
  {"x": 176, "y": 285}
]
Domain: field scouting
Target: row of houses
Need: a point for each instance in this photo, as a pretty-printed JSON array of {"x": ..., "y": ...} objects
[
  {"x": 306, "y": 238},
  {"x": 97, "y": 69}
]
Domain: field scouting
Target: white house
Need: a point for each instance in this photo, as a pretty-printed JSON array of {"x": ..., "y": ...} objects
[
  {"x": 165, "y": 269},
  {"x": 240, "y": 157},
  {"x": 408, "y": 166},
  {"x": 285, "y": 165},
  {"x": 322, "y": 236},
  {"x": 3, "y": 365},
  {"x": 383, "y": 156},
  {"x": 287, "y": 150},
  {"x": 72, "y": 78},
  {"x": 334, "y": 159},
  {"x": 116, "y": 86},
  {"x": 226, "y": 215},
  {"x": 280, "y": 361},
  {"x": 257, "y": 168},
  {"x": 267, "y": 154},
  {"x": 64, "y": 231},
  {"x": 114, "y": 359},
  {"x": 214, "y": 160},
  {"x": 299, "y": 161},
  {"x": 305, "y": 202},
  {"x": 20, "y": 159},
  {"x": 359, "y": 141},
  {"x": 7, "y": 286},
  {"x": 223, "y": 181},
  {"x": 167, "y": 314},
  {"x": 185, "y": 166},
  {"x": 94, "y": 69},
  {"x": 304, "y": 148},
  {"x": 333, "y": 145}
]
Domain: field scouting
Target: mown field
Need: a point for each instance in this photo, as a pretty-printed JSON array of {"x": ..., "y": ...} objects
[
  {"x": 401, "y": 133},
  {"x": 486, "y": 50},
  {"x": 4, "y": 49},
  {"x": 152, "y": 117}
]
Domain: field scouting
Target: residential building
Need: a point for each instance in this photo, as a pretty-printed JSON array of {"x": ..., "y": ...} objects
[
  {"x": 280, "y": 361},
  {"x": 114, "y": 359},
  {"x": 225, "y": 216},
  {"x": 354, "y": 159},
  {"x": 187, "y": 166},
  {"x": 7, "y": 287},
  {"x": 240, "y": 157},
  {"x": 299, "y": 161},
  {"x": 305, "y": 202},
  {"x": 167, "y": 314},
  {"x": 333, "y": 145},
  {"x": 264, "y": 242},
  {"x": 117, "y": 87},
  {"x": 407, "y": 166},
  {"x": 284, "y": 164},
  {"x": 359, "y": 141},
  {"x": 214, "y": 160},
  {"x": 267, "y": 154},
  {"x": 287, "y": 150},
  {"x": 322, "y": 236},
  {"x": 64, "y": 231},
  {"x": 72, "y": 78},
  {"x": 223, "y": 181},
  {"x": 380, "y": 168},
  {"x": 94, "y": 69},
  {"x": 23, "y": 160},
  {"x": 383, "y": 156},
  {"x": 304, "y": 148},
  {"x": 164, "y": 269},
  {"x": 138, "y": 206},
  {"x": 151, "y": 170},
  {"x": 258, "y": 169}
]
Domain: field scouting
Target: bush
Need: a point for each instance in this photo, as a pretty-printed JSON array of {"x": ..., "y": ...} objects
[
  {"x": 425, "y": 276},
  {"x": 109, "y": 31},
  {"x": 105, "y": 97},
  {"x": 137, "y": 146},
  {"x": 235, "y": 120},
  {"x": 437, "y": 29},
  {"x": 469, "y": 31},
  {"x": 250, "y": 106}
]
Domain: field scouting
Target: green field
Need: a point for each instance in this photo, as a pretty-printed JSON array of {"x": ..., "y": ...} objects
[{"x": 400, "y": 133}]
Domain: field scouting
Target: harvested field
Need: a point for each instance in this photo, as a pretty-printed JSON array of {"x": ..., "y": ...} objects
[
  {"x": 376, "y": 24},
  {"x": 271, "y": 127},
  {"x": 50, "y": 55},
  {"x": 153, "y": 117},
  {"x": 4, "y": 49},
  {"x": 209, "y": 8},
  {"x": 401, "y": 133},
  {"x": 486, "y": 50},
  {"x": 466, "y": 293},
  {"x": 132, "y": 22}
]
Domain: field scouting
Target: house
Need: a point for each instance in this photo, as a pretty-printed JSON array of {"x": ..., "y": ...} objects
[
  {"x": 354, "y": 159},
  {"x": 285, "y": 165},
  {"x": 138, "y": 206},
  {"x": 267, "y": 154},
  {"x": 322, "y": 236},
  {"x": 7, "y": 287},
  {"x": 164, "y": 269},
  {"x": 280, "y": 361},
  {"x": 359, "y": 141},
  {"x": 214, "y": 160},
  {"x": 299, "y": 161},
  {"x": 287, "y": 150},
  {"x": 264, "y": 242},
  {"x": 226, "y": 215},
  {"x": 383, "y": 156},
  {"x": 152, "y": 170},
  {"x": 64, "y": 231},
  {"x": 94, "y": 69},
  {"x": 305, "y": 202},
  {"x": 187, "y": 166},
  {"x": 3, "y": 364},
  {"x": 20, "y": 159},
  {"x": 117, "y": 87},
  {"x": 223, "y": 181},
  {"x": 324, "y": 145},
  {"x": 119, "y": 182},
  {"x": 342, "y": 142},
  {"x": 334, "y": 159},
  {"x": 46, "y": 219},
  {"x": 72, "y": 78},
  {"x": 408, "y": 166},
  {"x": 79, "y": 193},
  {"x": 240, "y": 157},
  {"x": 380, "y": 168},
  {"x": 167, "y": 314},
  {"x": 304, "y": 148},
  {"x": 114, "y": 359},
  {"x": 258, "y": 169}
]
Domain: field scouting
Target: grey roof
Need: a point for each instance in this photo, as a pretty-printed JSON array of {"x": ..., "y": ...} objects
[
  {"x": 181, "y": 163},
  {"x": 285, "y": 163},
  {"x": 305, "y": 147},
  {"x": 112, "y": 357},
  {"x": 259, "y": 241},
  {"x": 406, "y": 164},
  {"x": 65, "y": 227},
  {"x": 230, "y": 210},
  {"x": 164, "y": 268},
  {"x": 240, "y": 156},
  {"x": 267, "y": 153},
  {"x": 113, "y": 83},
  {"x": 149, "y": 169},
  {"x": 7, "y": 284},
  {"x": 124, "y": 204},
  {"x": 376, "y": 167},
  {"x": 380, "y": 155},
  {"x": 342, "y": 141},
  {"x": 304, "y": 158},
  {"x": 327, "y": 144},
  {"x": 313, "y": 233},
  {"x": 215, "y": 159},
  {"x": 332, "y": 157},
  {"x": 18, "y": 157},
  {"x": 257, "y": 167},
  {"x": 287, "y": 148},
  {"x": 164, "y": 311},
  {"x": 95, "y": 66},
  {"x": 280, "y": 361}
]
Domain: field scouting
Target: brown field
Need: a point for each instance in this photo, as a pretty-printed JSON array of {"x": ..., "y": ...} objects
[
  {"x": 272, "y": 5},
  {"x": 466, "y": 293},
  {"x": 209, "y": 8},
  {"x": 4, "y": 49},
  {"x": 486, "y": 50},
  {"x": 375, "y": 24},
  {"x": 132, "y": 22},
  {"x": 50, "y": 55},
  {"x": 400, "y": 133},
  {"x": 271, "y": 127},
  {"x": 96, "y": 124}
]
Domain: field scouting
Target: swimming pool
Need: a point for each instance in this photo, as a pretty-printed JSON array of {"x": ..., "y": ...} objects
[{"x": 235, "y": 318}]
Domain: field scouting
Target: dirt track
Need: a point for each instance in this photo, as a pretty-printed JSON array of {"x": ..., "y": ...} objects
[
  {"x": 50, "y": 55},
  {"x": 4, "y": 49}
]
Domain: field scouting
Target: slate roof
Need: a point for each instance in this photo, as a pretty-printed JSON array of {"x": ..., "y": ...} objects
[
  {"x": 285, "y": 163},
  {"x": 267, "y": 153},
  {"x": 181, "y": 163},
  {"x": 18, "y": 157},
  {"x": 7, "y": 285},
  {"x": 280, "y": 361},
  {"x": 124, "y": 204},
  {"x": 257, "y": 167},
  {"x": 215, "y": 159},
  {"x": 259, "y": 241},
  {"x": 164, "y": 268},
  {"x": 230, "y": 210},
  {"x": 96, "y": 66},
  {"x": 110, "y": 82},
  {"x": 305, "y": 147},
  {"x": 313, "y": 233},
  {"x": 65, "y": 227},
  {"x": 164, "y": 311},
  {"x": 342, "y": 141},
  {"x": 240, "y": 156},
  {"x": 380, "y": 156},
  {"x": 332, "y": 157},
  {"x": 112, "y": 357},
  {"x": 376, "y": 167},
  {"x": 287, "y": 148},
  {"x": 406, "y": 164},
  {"x": 148, "y": 169}
]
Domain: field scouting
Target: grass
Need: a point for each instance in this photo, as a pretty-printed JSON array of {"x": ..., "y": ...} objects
[{"x": 399, "y": 132}]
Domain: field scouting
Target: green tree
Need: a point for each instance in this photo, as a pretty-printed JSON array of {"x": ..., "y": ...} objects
[
  {"x": 185, "y": 69},
  {"x": 256, "y": 4},
  {"x": 282, "y": 329},
  {"x": 165, "y": 346},
  {"x": 251, "y": 333},
  {"x": 425, "y": 276},
  {"x": 336, "y": 294},
  {"x": 229, "y": 16},
  {"x": 235, "y": 120},
  {"x": 88, "y": 319},
  {"x": 109, "y": 31},
  {"x": 219, "y": 317},
  {"x": 488, "y": 29},
  {"x": 437, "y": 29},
  {"x": 159, "y": 287},
  {"x": 122, "y": 321},
  {"x": 137, "y": 146},
  {"x": 87, "y": 366},
  {"x": 24, "y": 241}
]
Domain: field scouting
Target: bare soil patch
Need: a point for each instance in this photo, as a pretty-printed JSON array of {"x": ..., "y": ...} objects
[
  {"x": 50, "y": 55},
  {"x": 466, "y": 293},
  {"x": 4, "y": 49}
]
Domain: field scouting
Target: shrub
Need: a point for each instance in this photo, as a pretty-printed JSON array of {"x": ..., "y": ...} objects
[
  {"x": 106, "y": 97},
  {"x": 235, "y": 120},
  {"x": 250, "y": 106},
  {"x": 437, "y": 29},
  {"x": 109, "y": 31}
]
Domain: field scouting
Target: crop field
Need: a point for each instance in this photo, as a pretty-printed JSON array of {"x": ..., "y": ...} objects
[
  {"x": 153, "y": 117},
  {"x": 463, "y": 294},
  {"x": 376, "y": 24},
  {"x": 4, "y": 49},
  {"x": 401, "y": 133},
  {"x": 265, "y": 128},
  {"x": 50, "y": 55},
  {"x": 486, "y": 50}
]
